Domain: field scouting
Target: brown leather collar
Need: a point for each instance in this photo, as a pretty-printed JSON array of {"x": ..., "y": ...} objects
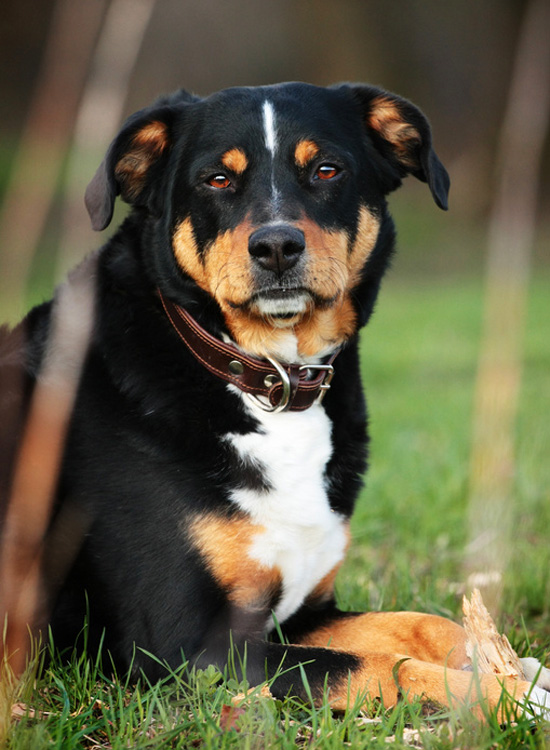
[{"x": 272, "y": 386}]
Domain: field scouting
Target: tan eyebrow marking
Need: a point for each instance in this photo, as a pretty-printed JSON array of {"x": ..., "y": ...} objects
[
  {"x": 306, "y": 150},
  {"x": 235, "y": 160}
]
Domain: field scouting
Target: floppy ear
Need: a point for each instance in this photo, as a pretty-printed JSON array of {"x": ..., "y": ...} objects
[
  {"x": 129, "y": 163},
  {"x": 403, "y": 135}
]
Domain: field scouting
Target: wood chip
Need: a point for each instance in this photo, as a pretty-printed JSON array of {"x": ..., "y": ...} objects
[
  {"x": 490, "y": 651},
  {"x": 263, "y": 692}
]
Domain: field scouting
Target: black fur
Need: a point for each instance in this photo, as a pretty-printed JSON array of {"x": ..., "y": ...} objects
[{"x": 146, "y": 446}]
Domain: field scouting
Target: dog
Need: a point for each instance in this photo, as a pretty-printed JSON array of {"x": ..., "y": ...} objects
[{"x": 218, "y": 437}]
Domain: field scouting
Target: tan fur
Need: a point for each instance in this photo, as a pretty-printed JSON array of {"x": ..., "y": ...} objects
[
  {"x": 235, "y": 160},
  {"x": 434, "y": 653},
  {"x": 224, "y": 543},
  {"x": 385, "y": 117},
  {"x": 315, "y": 332},
  {"x": 334, "y": 268},
  {"x": 255, "y": 334},
  {"x": 147, "y": 145},
  {"x": 326, "y": 329},
  {"x": 380, "y": 677},
  {"x": 186, "y": 253},
  {"x": 424, "y": 637},
  {"x": 228, "y": 267},
  {"x": 365, "y": 240},
  {"x": 304, "y": 152},
  {"x": 225, "y": 270}
]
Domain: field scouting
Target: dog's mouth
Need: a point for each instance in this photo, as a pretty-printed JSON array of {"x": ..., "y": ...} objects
[
  {"x": 281, "y": 302},
  {"x": 286, "y": 303}
]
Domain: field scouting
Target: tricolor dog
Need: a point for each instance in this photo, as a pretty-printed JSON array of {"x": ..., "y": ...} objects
[{"x": 218, "y": 438}]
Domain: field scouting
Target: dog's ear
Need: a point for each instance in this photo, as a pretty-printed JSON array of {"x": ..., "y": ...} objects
[
  {"x": 127, "y": 169},
  {"x": 401, "y": 132}
]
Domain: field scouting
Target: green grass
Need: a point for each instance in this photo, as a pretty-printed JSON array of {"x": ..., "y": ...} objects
[{"x": 409, "y": 535}]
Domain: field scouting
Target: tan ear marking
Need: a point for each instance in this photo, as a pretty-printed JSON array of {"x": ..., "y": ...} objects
[
  {"x": 384, "y": 117},
  {"x": 146, "y": 146}
]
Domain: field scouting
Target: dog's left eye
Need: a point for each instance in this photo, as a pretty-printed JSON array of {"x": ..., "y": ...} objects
[
  {"x": 327, "y": 172},
  {"x": 219, "y": 181}
]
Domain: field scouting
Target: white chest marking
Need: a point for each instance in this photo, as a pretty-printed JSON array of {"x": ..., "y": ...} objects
[{"x": 301, "y": 536}]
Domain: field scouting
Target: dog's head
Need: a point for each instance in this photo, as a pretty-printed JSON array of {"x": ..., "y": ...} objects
[{"x": 272, "y": 201}]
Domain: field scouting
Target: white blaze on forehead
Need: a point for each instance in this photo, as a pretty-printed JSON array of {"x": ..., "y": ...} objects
[
  {"x": 270, "y": 135},
  {"x": 270, "y": 131}
]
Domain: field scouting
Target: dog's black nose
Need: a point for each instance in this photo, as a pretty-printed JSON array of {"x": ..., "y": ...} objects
[{"x": 277, "y": 248}]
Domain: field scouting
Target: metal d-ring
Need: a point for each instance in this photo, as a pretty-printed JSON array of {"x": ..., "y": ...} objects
[{"x": 285, "y": 396}]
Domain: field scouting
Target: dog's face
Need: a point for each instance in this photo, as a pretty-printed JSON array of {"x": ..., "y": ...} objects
[{"x": 273, "y": 199}]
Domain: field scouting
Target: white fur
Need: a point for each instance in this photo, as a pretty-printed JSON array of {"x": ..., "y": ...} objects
[
  {"x": 535, "y": 672},
  {"x": 286, "y": 348},
  {"x": 270, "y": 136},
  {"x": 303, "y": 538},
  {"x": 537, "y": 702},
  {"x": 537, "y": 699},
  {"x": 270, "y": 131}
]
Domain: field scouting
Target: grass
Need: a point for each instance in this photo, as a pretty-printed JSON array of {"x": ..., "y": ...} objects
[{"x": 409, "y": 535}]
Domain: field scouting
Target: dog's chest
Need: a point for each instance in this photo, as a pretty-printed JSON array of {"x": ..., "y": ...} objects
[{"x": 299, "y": 535}]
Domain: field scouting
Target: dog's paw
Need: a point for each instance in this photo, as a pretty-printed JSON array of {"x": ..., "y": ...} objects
[
  {"x": 535, "y": 672},
  {"x": 537, "y": 699},
  {"x": 537, "y": 702}
]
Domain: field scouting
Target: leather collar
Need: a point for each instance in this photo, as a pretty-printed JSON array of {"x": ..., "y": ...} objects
[{"x": 273, "y": 386}]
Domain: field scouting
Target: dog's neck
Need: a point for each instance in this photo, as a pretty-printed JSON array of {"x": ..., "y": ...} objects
[
  {"x": 272, "y": 385},
  {"x": 310, "y": 339}
]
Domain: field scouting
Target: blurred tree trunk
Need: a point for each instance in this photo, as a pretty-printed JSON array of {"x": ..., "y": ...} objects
[
  {"x": 28, "y": 515},
  {"x": 24, "y": 592},
  {"x": 38, "y": 162},
  {"x": 99, "y": 117},
  {"x": 511, "y": 233}
]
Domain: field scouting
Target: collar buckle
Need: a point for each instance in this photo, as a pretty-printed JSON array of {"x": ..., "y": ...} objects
[
  {"x": 284, "y": 402},
  {"x": 325, "y": 384}
]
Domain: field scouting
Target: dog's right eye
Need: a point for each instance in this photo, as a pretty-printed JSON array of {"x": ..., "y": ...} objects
[{"x": 219, "y": 181}]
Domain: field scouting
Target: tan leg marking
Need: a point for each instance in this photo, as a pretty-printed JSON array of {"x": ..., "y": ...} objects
[
  {"x": 224, "y": 543},
  {"x": 434, "y": 652},
  {"x": 425, "y": 681},
  {"x": 425, "y": 637}
]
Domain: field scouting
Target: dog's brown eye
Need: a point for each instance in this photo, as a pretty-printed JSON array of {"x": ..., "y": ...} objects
[
  {"x": 327, "y": 172},
  {"x": 219, "y": 181}
]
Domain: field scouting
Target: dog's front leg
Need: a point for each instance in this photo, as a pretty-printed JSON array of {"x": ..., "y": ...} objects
[{"x": 412, "y": 655}]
